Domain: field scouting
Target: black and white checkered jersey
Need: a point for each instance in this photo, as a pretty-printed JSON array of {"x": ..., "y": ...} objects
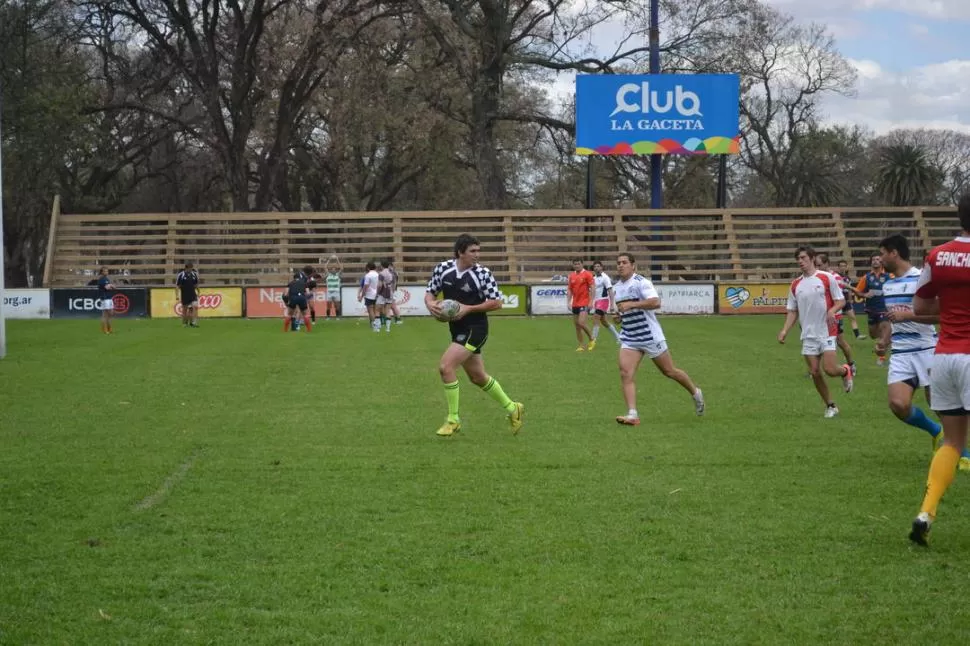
[{"x": 473, "y": 286}]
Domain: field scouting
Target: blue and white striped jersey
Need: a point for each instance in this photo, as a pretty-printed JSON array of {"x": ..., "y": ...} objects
[
  {"x": 639, "y": 326},
  {"x": 908, "y": 336}
]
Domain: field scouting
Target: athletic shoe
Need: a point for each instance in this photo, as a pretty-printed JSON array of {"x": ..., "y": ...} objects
[
  {"x": 964, "y": 464},
  {"x": 449, "y": 428},
  {"x": 921, "y": 529},
  {"x": 515, "y": 418},
  {"x": 831, "y": 411},
  {"x": 847, "y": 379},
  {"x": 699, "y": 402},
  {"x": 592, "y": 344},
  {"x": 626, "y": 420}
]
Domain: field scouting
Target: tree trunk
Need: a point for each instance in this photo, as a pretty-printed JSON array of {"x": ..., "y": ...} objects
[{"x": 486, "y": 96}]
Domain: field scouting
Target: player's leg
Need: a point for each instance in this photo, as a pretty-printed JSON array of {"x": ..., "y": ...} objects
[
  {"x": 108, "y": 312},
  {"x": 832, "y": 368},
  {"x": 950, "y": 381},
  {"x": 907, "y": 372},
  {"x": 305, "y": 311},
  {"x": 583, "y": 321},
  {"x": 818, "y": 378},
  {"x": 846, "y": 348},
  {"x": 665, "y": 364},
  {"x": 880, "y": 329},
  {"x": 396, "y": 311},
  {"x": 475, "y": 369},
  {"x": 194, "y": 314},
  {"x": 288, "y": 318},
  {"x": 580, "y": 345},
  {"x": 850, "y": 312},
  {"x": 454, "y": 356},
  {"x": 313, "y": 308},
  {"x": 387, "y": 316},
  {"x": 628, "y": 360}
]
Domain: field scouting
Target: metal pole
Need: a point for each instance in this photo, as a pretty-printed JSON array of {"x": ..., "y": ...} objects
[
  {"x": 590, "y": 197},
  {"x": 656, "y": 180},
  {"x": 3, "y": 315}
]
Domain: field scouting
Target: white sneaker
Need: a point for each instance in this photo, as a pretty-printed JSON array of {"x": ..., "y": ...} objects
[
  {"x": 699, "y": 402},
  {"x": 847, "y": 381},
  {"x": 831, "y": 411}
]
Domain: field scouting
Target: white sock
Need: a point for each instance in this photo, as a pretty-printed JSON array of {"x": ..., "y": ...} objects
[
  {"x": 633, "y": 413},
  {"x": 613, "y": 330},
  {"x": 596, "y": 330},
  {"x": 697, "y": 394}
]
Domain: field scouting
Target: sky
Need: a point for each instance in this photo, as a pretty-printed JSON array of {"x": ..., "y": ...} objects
[{"x": 912, "y": 58}]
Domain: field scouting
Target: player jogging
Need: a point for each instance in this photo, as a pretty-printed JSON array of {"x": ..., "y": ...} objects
[
  {"x": 187, "y": 291},
  {"x": 368, "y": 294},
  {"x": 578, "y": 291},
  {"x": 870, "y": 288},
  {"x": 395, "y": 310},
  {"x": 463, "y": 280},
  {"x": 913, "y": 339},
  {"x": 637, "y": 301},
  {"x": 944, "y": 290},
  {"x": 848, "y": 310},
  {"x": 822, "y": 263},
  {"x": 296, "y": 299},
  {"x": 603, "y": 302},
  {"x": 105, "y": 302},
  {"x": 813, "y": 300}
]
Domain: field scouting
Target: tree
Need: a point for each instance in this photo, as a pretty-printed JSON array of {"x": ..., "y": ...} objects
[
  {"x": 42, "y": 86},
  {"x": 906, "y": 177},
  {"x": 786, "y": 70},
  {"x": 946, "y": 150}
]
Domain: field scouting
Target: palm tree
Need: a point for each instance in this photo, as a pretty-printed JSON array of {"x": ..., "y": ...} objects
[{"x": 906, "y": 177}]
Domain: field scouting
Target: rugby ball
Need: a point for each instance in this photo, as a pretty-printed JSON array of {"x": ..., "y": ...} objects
[{"x": 449, "y": 309}]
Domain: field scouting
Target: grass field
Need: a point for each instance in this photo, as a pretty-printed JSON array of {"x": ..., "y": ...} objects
[{"x": 234, "y": 484}]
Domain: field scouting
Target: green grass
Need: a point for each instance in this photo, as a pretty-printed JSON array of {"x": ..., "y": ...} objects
[{"x": 234, "y": 484}]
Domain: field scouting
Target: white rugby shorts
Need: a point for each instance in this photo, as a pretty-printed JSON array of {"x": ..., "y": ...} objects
[
  {"x": 814, "y": 347},
  {"x": 106, "y": 304},
  {"x": 911, "y": 365},
  {"x": 950, "y": 382},
  {"x": 652, "y": 349}
]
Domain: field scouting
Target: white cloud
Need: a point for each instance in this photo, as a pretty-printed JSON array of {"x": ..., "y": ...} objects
[
  {"x": 938, "y": 9},
  {"x": 931, "y": 96}
]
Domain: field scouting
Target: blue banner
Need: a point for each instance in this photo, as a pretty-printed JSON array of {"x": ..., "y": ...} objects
[{"x": 680, "y": 114}]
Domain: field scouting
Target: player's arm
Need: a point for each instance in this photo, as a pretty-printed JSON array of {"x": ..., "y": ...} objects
[
  {"x": 838, "y": 300},
  {"x": 652, "y": 303},
  {"x": 790, "y": 319},
  {"x": 592, "y": 291},
  {"x": 493, "y": 297},
  {"x": 612, "y": 295}
]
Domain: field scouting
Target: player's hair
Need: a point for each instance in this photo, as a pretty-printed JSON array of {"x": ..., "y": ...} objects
[
  {"x": 963, "y": 210},
  {"x": 896, "y": 242},
  {"x": 823, "y": 257},
  {"x": 385, "y": 263},
  {"x": 189, "y": 265},
  {"x": 463, "y": 242},
  {"x": 628, "y": 256},
  {"x": 597, "y": 262},
  {"x": 308, "y": 269},
  {"x": 579, "y": 260},
  {"x": 808, "y": 249},
  {"x": 370, "y": 265},
  {"x": 102, "y": 269}
]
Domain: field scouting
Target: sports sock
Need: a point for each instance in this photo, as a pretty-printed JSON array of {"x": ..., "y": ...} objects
[
  {"x": 596, "y": 330},
  {"x": 313, "y": 315},
  {"x": 494, "y": 390},
  {"x": 942, "y": 469},
  {"x": 614, "y": 331},
  {"x": 306, "y": 322},
  {"x": 633, "y": 413},
  {"x": 286, "y": 324},
  {"x": 855, "y": 331},
  {"x": 451, "y": 394},
  {"x": 919, "y": 419}
]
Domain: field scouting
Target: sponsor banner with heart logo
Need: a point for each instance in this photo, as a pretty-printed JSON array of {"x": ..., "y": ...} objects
[
  {"x": 214, "y": 302},
  {"x": 752, "y": 298}
]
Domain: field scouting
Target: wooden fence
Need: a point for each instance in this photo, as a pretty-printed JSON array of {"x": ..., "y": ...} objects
[{"x": 519, "y": 246}]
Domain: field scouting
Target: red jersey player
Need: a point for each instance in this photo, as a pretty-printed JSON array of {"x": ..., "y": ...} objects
[
  {"x": 944, "y": 288},
  {"x": 579, "y": 292},
  {"x": 822, "y": 263}
]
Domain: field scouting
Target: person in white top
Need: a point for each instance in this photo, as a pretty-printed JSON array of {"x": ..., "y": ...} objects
[
  {"x": 368, "y": 294},
  {"x": 912, "y": 338},
  {"x": 637, "y": 302},
  {"x": 603, "y": 302},
  {"x": 813, "y": 300}
]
